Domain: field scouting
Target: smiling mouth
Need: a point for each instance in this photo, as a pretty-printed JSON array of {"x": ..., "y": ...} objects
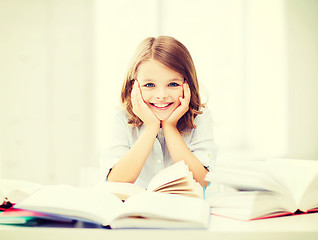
[{"x": 161, "y": 106}]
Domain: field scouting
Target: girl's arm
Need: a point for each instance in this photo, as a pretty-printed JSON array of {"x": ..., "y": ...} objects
[
  {"x": 128, "y": 168},
  {"x": 175, "y": 143},
  {"x": 180, "y": 151}
]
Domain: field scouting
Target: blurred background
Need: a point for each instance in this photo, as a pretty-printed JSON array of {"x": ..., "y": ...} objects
[{"x": 62, "y": 63}]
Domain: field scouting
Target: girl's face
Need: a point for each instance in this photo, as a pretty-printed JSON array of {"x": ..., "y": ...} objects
[{"x": 161, "y": 88}]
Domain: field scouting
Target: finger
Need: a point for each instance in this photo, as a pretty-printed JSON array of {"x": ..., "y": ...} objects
[
  {"x": 138, "y": 90},
  {"x": 134, "y": 98},
  {"x": 187, "y": 92},
  {"x": 184, "y": 101},
  {"x": 139, "y": 97},
  {"x": 133, "y": 91}
]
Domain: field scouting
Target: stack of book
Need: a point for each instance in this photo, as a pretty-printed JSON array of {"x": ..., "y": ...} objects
[{"x": 263, "y": 189}]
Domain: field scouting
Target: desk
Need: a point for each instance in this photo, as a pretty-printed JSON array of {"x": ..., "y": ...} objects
[{"x": 302, "y": 227}]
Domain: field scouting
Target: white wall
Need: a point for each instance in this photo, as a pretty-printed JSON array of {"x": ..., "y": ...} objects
[
  {"x": 46, "y": 89},
  {"x": 265, "y": 77},
  {"x": 302, "y": 35}
]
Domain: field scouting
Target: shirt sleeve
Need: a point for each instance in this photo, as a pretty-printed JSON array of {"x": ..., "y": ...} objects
[
  {"x": 202, "y": 143},
  {"x": 117, "y": 143}
]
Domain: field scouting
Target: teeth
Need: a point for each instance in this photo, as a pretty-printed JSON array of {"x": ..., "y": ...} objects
[{"x": 161, "y": 105}]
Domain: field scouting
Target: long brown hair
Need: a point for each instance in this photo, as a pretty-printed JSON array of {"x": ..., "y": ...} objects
[{"x": 174, "y": 55}]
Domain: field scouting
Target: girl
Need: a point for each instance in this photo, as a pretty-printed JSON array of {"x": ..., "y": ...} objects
[{"x": 163, "y": 121}]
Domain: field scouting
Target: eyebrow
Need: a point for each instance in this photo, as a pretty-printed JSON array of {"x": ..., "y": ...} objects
[
  {"x": 170, "y": 80},
  {"x": 176, "y": 79}
]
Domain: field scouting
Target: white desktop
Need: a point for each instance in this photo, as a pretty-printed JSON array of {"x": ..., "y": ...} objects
[{"x": 291, "y": 227}]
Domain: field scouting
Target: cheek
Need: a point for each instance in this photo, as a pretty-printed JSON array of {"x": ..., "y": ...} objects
[
  {"x": 146, "y": 95},
  {"x": 179, "y": 94}
]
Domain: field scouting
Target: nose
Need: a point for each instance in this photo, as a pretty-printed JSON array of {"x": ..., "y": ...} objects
[{"x": 161, "y": 94}]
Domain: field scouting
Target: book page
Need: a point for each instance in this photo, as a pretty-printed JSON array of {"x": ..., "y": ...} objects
[
  {"x": 310, "y": 199},
  {"x": 16, "y": 190},
  {"x": 296, "y": 175},
  {"x": 167, "y": 175},
  {"x": 122, "y": 190},
  {"x": 154, "y": 205},
  {"x": 77, "y": 203},
  {"x": 182, "y": 185},
  {"x": 248, "y": 205},
  {"x": 236, "y": 176}
]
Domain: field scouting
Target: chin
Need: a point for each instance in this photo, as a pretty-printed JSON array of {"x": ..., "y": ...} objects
[
  {"x": 162, "y": 119},
  {"x": 163, "y": 116}
]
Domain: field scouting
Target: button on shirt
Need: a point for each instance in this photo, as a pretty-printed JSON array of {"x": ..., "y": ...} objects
[{"x": 200, "y": 141}]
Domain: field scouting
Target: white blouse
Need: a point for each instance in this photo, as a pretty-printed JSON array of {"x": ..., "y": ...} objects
[{"x": 200, "y": 141}]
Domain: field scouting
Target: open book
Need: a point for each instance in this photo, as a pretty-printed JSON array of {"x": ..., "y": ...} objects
[
  {"x": 141, "y": 210},
  {"x": 261, "y": 189},
  {"x": 175, "y": 179},
  {"x": 103, "y": 204}
]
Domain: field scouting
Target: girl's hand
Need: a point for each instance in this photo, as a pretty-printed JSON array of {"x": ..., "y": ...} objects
[
  {"x": 141, "y": 109},
  {"x": 181, "y": 109}
]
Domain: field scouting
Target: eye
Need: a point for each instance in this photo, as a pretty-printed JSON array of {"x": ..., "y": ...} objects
[
  {"x": 173, "y": 84},
  {"x": 149, "y": 85}
]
